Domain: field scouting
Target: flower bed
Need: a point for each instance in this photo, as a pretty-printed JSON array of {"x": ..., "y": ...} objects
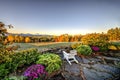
[
  {"x": 52, "y": 63},
  {"x": 35, "y": 71},
  {"x": 13, "y": 60}
]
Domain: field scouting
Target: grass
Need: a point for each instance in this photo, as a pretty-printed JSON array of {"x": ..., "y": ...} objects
[
  {"x": 43, "y": 46},
  {"x": 49, "y": 45}
]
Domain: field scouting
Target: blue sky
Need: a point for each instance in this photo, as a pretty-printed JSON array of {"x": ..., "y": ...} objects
[{"x": 60, "y": 16}]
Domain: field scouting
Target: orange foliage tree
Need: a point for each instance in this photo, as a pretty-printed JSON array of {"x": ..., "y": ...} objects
[
  {"x": 11, "y": 38},
  {"x": 27, "y": 39},
  {"x": 67, "y": 38}
]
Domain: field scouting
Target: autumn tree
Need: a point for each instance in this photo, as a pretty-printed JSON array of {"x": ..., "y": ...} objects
[
  {"x": 61, "y": 38},
  {"x": 96, "y": 39},
  {"x": 76, "y": 38},
  {"x": 21, "y": 38},
  {"x": 3, "y": 35},
  {"x": 17, "y": 39},
  {"x": 114, "y": 33},
  {"x": 27, "y": 39},
  {"x": 55, "y": 38},
  {"x": 11, "y": 38},
  {"x": 67, "y": 38},
  {"x": 3, "y": 31}
]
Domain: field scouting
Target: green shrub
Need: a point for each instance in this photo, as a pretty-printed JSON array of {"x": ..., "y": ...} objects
[
  {"x": 5, "y": 63},
  {"x": 5, "y": 56},
  {"x": 3, "y": 71},
  {"x": 103, "y": 46},
  {"x": 84, "y": 50},
  {"x": 25, "y": 57},
  {"x": 10, "y": 61},
  {"x": 52, "y": 62},
  {"x": 15, "y": 78}
]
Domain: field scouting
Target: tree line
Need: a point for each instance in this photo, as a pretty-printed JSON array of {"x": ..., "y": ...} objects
[
  {"x": 34, "y": 39},
  {"x": 112, "y": 34}
]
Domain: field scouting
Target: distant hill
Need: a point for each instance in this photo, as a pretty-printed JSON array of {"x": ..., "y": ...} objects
[{"x": 28, "y": 34}]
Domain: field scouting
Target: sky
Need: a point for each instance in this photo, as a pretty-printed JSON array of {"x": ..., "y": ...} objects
[{"x": 58, "y": 17}]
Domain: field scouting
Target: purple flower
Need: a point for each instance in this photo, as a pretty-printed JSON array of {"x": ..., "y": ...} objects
[
  {"x": 35, "y": 71},
  {"x": 95, "y": 48}
]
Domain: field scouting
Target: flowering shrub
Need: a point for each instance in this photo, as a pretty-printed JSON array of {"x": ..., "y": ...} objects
[
  {"x": 95, "y": 48},
  {"x": 35, "y": 71}
]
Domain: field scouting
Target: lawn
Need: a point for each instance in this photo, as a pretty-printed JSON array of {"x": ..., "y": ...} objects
[{"x": 44, "y": 45}]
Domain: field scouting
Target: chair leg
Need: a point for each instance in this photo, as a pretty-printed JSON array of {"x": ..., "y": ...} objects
[
  {"x": 69, "y": 62},
  {"x": 75, "y": 60}
]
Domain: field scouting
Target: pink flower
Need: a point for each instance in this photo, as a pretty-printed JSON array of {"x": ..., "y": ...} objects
[
  {"x": 34, "y": 71},
  {"x": 95, "y": 48}
]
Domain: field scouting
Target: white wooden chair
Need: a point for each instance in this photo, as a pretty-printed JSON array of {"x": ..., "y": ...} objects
[
  {"x": 73, "y": 52},
  {"x": 70, "y": 57}
]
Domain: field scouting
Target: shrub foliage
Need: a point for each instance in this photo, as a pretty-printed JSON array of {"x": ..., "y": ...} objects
[
  {"x": 51, "y": 61},
  {"x": 10, "y": 61},
  {"x": 84, "y": 50}
]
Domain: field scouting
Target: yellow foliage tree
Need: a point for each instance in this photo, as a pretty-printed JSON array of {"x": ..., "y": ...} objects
[
  {"x": 27, "y": 39},
  {"x": 17, "y": 38},
  {"x": 21, "y": 38}
]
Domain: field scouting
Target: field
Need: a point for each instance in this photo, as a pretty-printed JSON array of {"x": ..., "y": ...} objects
[{"x": 43, "y": 46}]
